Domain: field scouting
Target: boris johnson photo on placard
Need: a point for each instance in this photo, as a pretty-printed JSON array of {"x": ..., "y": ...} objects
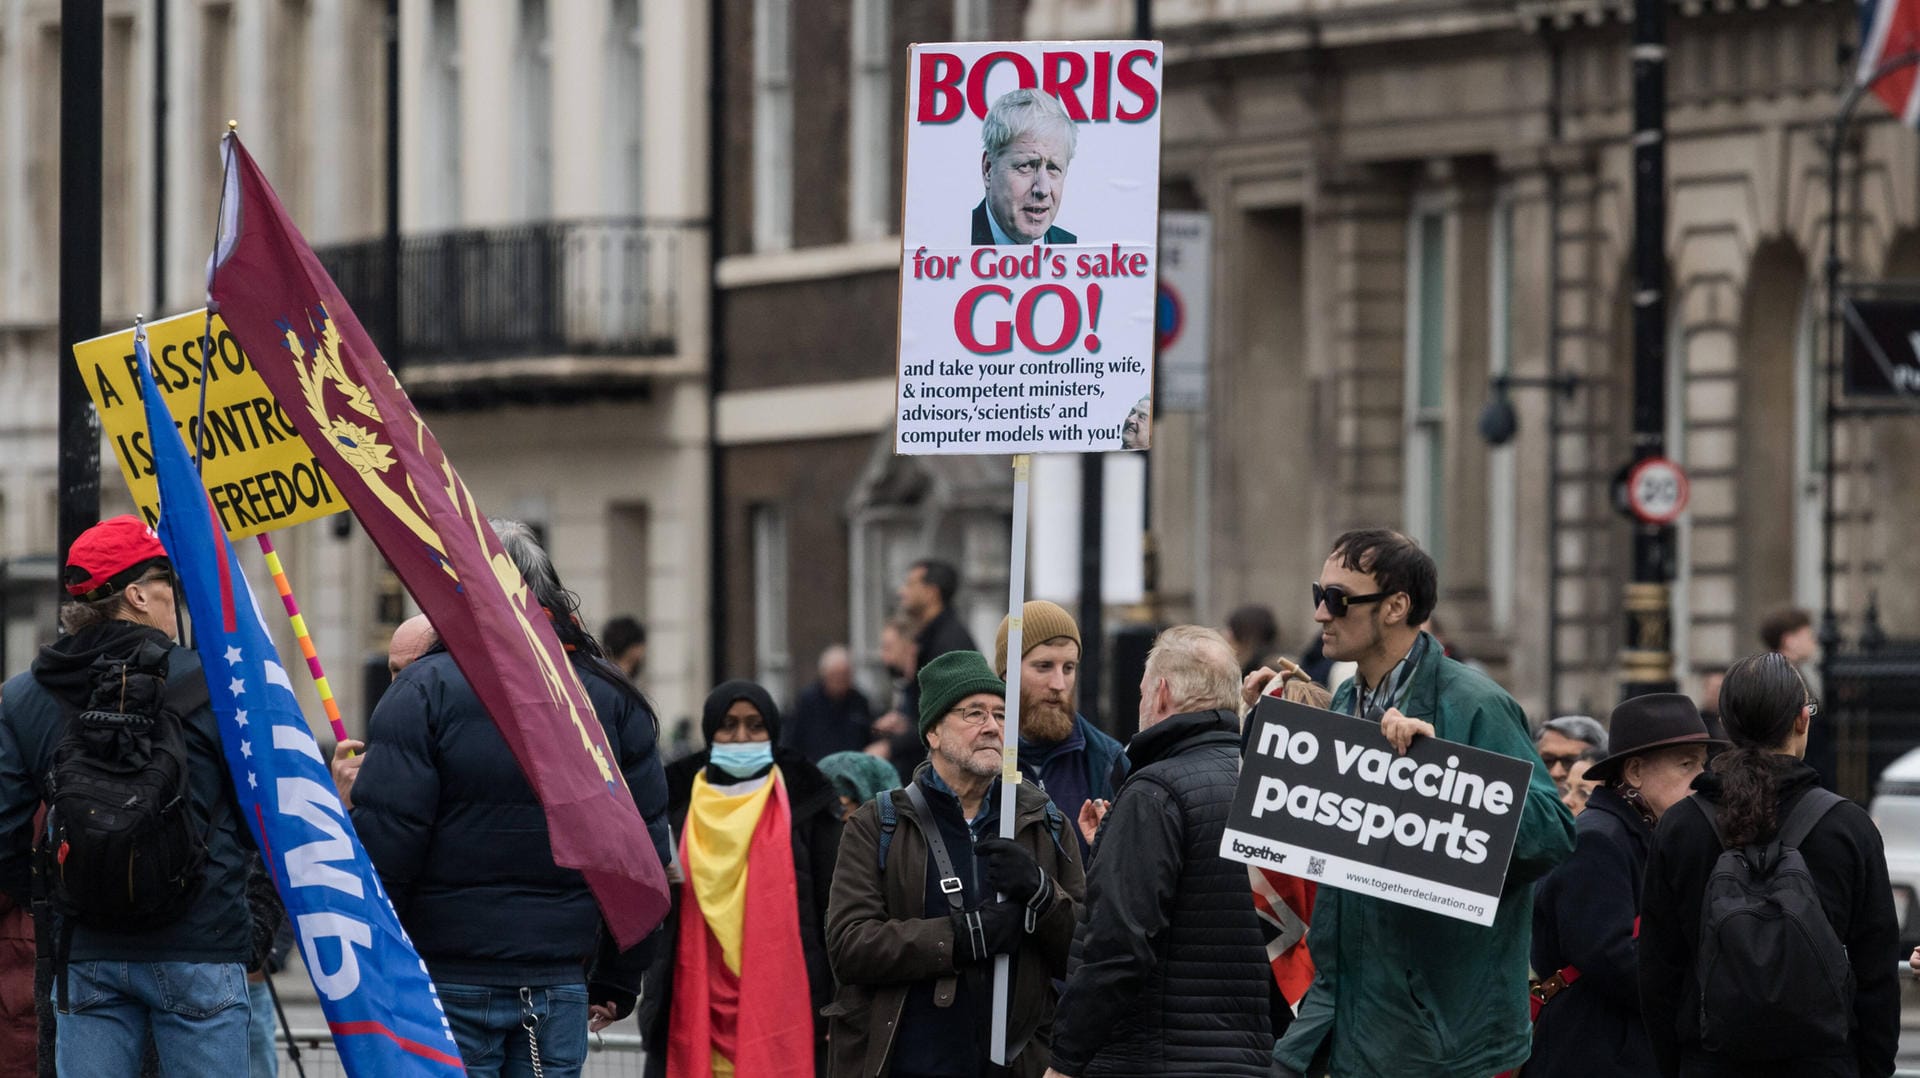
[{"x": 1028, "y": 270}]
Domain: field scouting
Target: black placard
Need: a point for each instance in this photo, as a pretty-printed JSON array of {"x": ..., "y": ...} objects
[{"x": 1323, "y": 796}]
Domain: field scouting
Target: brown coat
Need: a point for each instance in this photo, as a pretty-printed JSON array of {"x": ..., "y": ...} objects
[{"x": 881, "y": 942}]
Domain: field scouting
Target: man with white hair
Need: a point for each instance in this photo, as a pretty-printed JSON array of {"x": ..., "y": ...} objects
[
  {"x": 1026, "y": 144},
  {"x": 1166, "y": 914},
  {"x": 831, "y": 715}
]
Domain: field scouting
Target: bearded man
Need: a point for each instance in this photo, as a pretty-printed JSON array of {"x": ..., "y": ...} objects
[{"x": 1073, "y": 761}]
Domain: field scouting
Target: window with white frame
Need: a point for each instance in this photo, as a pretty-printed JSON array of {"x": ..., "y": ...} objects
[
  {"x": 1425, "y": 499},
  {"x": 772, "y": 125},
  {"x": 214, "y": 64},
  {"x": 624, "y": 54},
  {"x": 1502, "y": 467},
  {"x": 533, "y": 105},
  {"x": 772, "y": 661},
  {"x": 292, "y": 116},
  {"x": 972, "y": 20},
  {"x": 441, "y": 206},
  {"x": 120, "y": 249},
  {"x": 870, "y": 133}
]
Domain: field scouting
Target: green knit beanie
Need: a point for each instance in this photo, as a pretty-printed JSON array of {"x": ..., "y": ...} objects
[{"x": 950, "y": 679}]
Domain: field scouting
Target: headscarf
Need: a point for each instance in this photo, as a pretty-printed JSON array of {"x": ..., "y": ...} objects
[
  {"x": 722, "y": 697},
  {"x": 859, "y": 775}
]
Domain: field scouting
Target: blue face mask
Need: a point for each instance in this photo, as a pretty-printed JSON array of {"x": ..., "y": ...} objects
[{"x": 742, "y": 759}]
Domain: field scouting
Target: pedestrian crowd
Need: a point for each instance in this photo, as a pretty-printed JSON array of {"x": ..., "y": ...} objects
[{"x": 861, "y": 889}]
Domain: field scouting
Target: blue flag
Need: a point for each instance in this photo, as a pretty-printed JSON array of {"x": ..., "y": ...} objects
[{"x": 380, "y": 1004}]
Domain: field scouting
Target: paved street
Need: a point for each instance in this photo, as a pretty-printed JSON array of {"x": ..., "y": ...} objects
[{"x": 303, "y": 1011}]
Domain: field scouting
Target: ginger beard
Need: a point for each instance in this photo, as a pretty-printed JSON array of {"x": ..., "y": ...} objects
[
  {"x": 1044, "y": 717},
  {"x": 1047, "y": 675}
]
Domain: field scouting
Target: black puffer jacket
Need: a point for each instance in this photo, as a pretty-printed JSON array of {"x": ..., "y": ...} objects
[
  {"x": 33, "y": 710},
  {"x": 460, "y": 839},
  {"x": 1169, "y": 970}
]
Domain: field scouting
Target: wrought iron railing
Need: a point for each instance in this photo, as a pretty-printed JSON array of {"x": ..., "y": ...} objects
[{"x": 590, "y": 287}]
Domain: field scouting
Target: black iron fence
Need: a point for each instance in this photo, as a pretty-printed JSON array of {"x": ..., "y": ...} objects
[
  {"x": 1873, "y": 696},
  {"x": 595, "y": 287}
]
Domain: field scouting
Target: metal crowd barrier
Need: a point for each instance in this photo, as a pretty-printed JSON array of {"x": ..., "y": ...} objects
[{"x": 609, "y": 1055}]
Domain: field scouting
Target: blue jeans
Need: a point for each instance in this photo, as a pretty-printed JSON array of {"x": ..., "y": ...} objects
[
  {"x": 260, "y": 1048},
  {"x": 489, "y": 1024},
  {"x": 196, "y": 1013}
]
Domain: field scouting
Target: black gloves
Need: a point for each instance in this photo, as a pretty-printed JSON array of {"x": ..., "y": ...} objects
[
  {"x": 1010, "y": 869},
  {"x": 979, "y": 934}
]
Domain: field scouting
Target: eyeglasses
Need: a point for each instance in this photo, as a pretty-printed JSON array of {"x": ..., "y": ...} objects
[
  {"x": 977, "y": 716},
  {"x": 1337, "y": 600},
  {"x": 1553, "y": 760}
]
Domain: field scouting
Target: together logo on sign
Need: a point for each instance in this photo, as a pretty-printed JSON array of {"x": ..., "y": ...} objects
[{"x": 1263, "y": 851}]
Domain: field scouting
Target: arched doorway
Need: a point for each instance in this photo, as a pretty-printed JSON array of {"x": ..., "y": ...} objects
[{"x": 1773, "y": 413}]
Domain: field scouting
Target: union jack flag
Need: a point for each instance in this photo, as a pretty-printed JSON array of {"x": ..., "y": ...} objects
[{"x": 1890, "y": 29}]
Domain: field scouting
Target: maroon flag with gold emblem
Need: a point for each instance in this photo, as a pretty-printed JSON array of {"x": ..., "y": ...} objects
[{"x": 313, "y": 354}]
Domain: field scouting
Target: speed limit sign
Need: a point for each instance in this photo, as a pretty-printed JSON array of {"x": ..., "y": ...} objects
[{"x": 1657, "y": 491}]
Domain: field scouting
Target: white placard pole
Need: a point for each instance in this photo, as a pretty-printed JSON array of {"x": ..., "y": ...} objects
[{"x": 1010, "y": 737}]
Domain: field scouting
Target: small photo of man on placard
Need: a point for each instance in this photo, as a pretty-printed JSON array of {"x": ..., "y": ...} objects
[
  {"x": 1027, "y": 143},
  {"x": 1137, "y": 431}
]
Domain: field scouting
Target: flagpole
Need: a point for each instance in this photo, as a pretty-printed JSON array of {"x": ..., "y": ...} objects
[
  {"x": 1010, "y": 738},
  {"x": 146, "y": 362},
  {"x": 300, "y": 633}
]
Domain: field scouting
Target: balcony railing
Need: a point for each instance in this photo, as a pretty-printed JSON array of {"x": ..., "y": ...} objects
[{"x": 597, "y": 287}]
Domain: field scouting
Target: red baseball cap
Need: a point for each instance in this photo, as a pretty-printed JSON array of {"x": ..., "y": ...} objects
[{"x": 109, "y": 556}]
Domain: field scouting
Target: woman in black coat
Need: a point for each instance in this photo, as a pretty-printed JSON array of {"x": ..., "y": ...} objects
[
  {"x": 815, "y": 830},
  {"x": 1584, "y": 911},
  {"x": 1754, "y": 787}
]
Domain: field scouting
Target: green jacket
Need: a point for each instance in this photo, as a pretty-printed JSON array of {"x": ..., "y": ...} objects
[{"x": 1404, "y": 993}]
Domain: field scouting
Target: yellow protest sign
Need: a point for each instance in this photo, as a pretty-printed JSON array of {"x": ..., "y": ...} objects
[{"x": 259, "y": 473}]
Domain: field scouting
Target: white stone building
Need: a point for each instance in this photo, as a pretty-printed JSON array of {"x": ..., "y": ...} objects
[
  {"x": 553, "y": 281},
  {"x": 1409, "y": 198}
]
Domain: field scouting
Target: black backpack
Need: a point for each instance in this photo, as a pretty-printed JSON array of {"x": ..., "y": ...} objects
[
  {"x": 1775, "y": 981},
  {"x": 122, "y": 848}
]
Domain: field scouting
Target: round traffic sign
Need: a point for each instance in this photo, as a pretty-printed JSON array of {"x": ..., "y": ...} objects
[
  {"x": 1657, "y": 490},
  {"x": 1169, "y": 316}
]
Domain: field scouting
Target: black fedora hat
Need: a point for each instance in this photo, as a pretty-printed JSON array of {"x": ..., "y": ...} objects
[{"x": 1650, "y": 722}]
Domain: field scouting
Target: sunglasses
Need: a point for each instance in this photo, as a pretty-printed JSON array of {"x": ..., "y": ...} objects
[{"x": 1338, "y": 602}]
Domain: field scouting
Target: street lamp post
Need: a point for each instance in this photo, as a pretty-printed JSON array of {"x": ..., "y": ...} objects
[
  {"x": 1647, "y": 662},
  {"x": 81, "y": 43},
  {"x": 1836, "y": 146}
]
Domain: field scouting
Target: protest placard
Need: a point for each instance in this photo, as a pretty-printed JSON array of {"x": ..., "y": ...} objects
[
  {"x": 1028, "y": 268},
  {"x": 1323, "y": 796},
  {"x": 259, "y": 473}
]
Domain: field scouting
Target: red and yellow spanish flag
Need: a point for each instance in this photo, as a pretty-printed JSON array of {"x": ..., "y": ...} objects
[
  {"x": 741, "y": 1003},
  {"x": 326, "y": 374}
]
